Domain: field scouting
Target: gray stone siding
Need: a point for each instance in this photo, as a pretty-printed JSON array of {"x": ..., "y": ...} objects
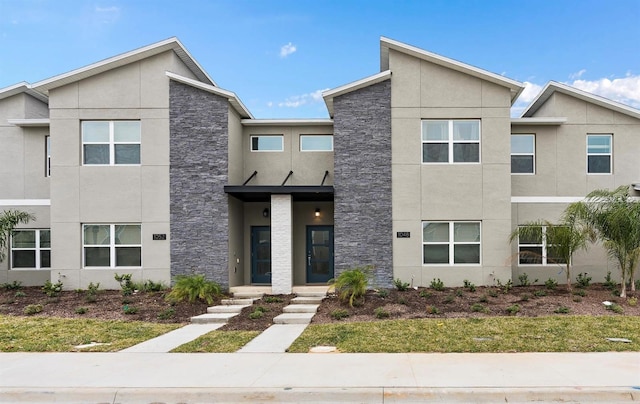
[
  {"x": 199, "y": 170},
  {"x": 362, "y": 183}
]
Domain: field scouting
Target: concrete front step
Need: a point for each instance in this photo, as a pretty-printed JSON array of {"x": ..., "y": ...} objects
[
  {"x": 307, "y": 300},
  {"x": 227, "y": 308},
  {"x": 234, "y": 301},
  {"x": 301, "y": 308},
  {"x": 212, "y": 318},
  {"x": 293, "y": 318},
  {"x": 248, "y": 295},
  {"x": 311, "y": 293}
]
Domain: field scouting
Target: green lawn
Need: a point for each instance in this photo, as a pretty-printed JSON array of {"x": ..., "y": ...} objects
[
  {"x": 219, "y": 342},
  {"x": 46, "y": 334},
  {"x": 495, "y": 334}
]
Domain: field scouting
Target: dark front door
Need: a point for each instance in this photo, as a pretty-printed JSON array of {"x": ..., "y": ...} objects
[
  {"x": 260, "y": 254},
  {"x": 319, "y": 254}
]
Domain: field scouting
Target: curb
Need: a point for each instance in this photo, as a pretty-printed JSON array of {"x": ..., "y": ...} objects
[{"x": 385, "y": 395}]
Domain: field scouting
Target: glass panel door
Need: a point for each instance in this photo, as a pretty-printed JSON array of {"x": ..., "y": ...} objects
[
  {"x": 260, "y": 254},
  {"x": 319, "y": 254}
]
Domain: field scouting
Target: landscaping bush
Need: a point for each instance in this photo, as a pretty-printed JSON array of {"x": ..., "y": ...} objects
[
  {"x": 583, "y": 280},
  {"x": 352, "y": 284},
  {"x": 401, "y": 286},
  {"x": 52, "y": 289},
  {"x": 32, "y": 309},
  {"x": 339, "y": 314},
  {"x": 192, "y": 288},
  {"x": 437, "y": 284},
  {"x": 381, "y": 313}
]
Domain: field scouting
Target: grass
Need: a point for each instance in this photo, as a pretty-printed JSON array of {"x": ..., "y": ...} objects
[
  {"x": 48, "y": 334},
  {"x": 218, "y": 342},
  {"x": 504, "y": 334}
]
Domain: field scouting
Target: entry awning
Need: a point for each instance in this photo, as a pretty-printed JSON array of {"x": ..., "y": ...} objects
[{"x": 262, "y": 193}]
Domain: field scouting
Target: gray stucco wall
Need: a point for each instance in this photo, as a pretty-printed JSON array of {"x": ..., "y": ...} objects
[
  {"x": 199, "y": 170},
  {"x": 362, "y": 183}
]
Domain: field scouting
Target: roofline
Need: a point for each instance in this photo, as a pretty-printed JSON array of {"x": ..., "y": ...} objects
[
  {"x": 233, "y": 99},
  {"x": 30, "y": 123},
  {"x": 22, "y": 87},
  {"x": 542, "y": 121},
  {"x": 329, "y": 95},
  {"x": 516, "y": 87},
  {"x": 553, "y": 86},
  {"x": 287, "y": 122},
  {"x": 123, "y": 59}
]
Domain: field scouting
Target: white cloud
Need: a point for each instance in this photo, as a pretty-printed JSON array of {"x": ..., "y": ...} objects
[
  {"x": 270, "y": 104},
  {"x": 625, "y": 90},
  {"x": 577, "y": 75},
  {"x": 299, "y": 100},
  {"x": 530, "y": 92},
  {"x": 287, "y": 50},
  {"x": 107, "y": 15}
]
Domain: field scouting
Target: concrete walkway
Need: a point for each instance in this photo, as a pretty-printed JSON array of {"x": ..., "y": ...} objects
[
  {"x": 274, "y": 339},
  {"x": 173, "y": 339},
  {"x": 376, "y": 378}
]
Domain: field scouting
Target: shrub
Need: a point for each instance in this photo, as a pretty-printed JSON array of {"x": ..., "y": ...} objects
[
  {"x": 381, "y": 313},
  {"x": 469, "y": 285},
  {"x": 484, "y": 299},
  {"x": 192, "y": 288},
  {"x": 129, "y": 309},
  {"x": 402, "y": 300},
  {"x": 458, "y": 293},
  {"x": 339, "y": 314},
  {"x": 256, "y": 314},
  {"x": 433, "y": 310},
  {"x": 20, "y": 294},
  {"x": 261, "y": 308},
  {"x": 52, "y": 289},
  {"x": 32, "y": 309},
  {"x": 437, "y": 284},
  {"x": 125, "y": 283},
  {"x": 513, "y": 309},
  {"x": 449, "y": 299},
  {"x": 610, "y": 283},
  {"x": 492, "y": 293},
  {"x": 505, "y": 287},
  {"x": 540, "y": 293},
  {"x": 580, "y": 292},
  {"x": 352, "y": 284},
  {"x": 383, "y": 293},
  {"x": 550, "y": 284},
  {"x": 15, "y": 285},
  {"x": 616, "y": 308},
  {"x": 81, "y": 310},
  {"x": 632, "y": 301},
  {"x": 272, "y": 299},
  {"x": 426, "y": 294},
  {"x": 148, "y": 286},
  {"x": 583, "y": 280},
  {"x": 562, "y": 310},
  {"x": 91, "y": 295},
  {"x": 479, "y": 308},
  {"x": 401, "y": 286},
  {"x": 167, "y": 314},
  {"x": 524, "y": 279},
  {"x": 525, "y": 297}
]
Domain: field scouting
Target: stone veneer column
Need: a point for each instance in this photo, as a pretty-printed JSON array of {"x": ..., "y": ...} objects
[
  {"x": 199, "y": 207},
  {"x": 281, "y": 244},
  {"x": 362, "y": 181}
]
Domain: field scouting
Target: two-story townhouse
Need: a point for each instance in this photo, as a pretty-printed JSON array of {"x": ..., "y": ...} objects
[{"x": 419, "y": 172}]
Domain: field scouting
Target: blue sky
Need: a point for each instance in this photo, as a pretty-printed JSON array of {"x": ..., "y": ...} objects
[{"x": 278, "y": 56}]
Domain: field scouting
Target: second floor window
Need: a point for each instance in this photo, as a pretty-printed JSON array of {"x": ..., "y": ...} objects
[
  {"x": 111, "y": 142},
  {"x": 523, "y": 154},
  {"x": 451, "y": 141},
  {"x": 599, "y": 154}
]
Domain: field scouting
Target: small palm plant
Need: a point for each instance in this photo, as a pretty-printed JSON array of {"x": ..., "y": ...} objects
[
  {"x": 193, "y": 287},
  {"x": 9, "y": 219},
  {"x": 352, "y": 284}
]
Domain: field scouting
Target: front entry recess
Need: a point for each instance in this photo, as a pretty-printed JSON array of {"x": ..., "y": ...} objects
[
  {"x": 319, "y": 254},
  {"x": 260, "y": 254}
]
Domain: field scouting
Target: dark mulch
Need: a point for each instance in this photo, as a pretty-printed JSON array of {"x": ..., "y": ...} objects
[{"x": 272, "y": 306}]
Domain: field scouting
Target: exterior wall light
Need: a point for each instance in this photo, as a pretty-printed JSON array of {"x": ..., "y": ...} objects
[
  {"x": 317, "y": 212},
  {"x": 265, "y": 212}
]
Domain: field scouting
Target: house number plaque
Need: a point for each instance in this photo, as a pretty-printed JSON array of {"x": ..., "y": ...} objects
[
  {"x": 403, "y": 234},
  {"x": 159, "y": 236}
]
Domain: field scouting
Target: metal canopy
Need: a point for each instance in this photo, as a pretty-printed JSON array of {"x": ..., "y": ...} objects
[{"x": 262, "y": 193}]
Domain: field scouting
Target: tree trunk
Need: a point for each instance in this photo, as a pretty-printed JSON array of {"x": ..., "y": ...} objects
[
  {"x": 623, "y": 291},
  {"x": 569, "y": 277}
]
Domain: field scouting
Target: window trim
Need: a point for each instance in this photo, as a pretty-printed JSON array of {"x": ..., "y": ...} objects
[
  {"x": 610, "y": 154},
  {"x": 316, "y": 150},
  {"x": 452, "y": 243},
  {"x": 112, "y": 246},
  {"x": 545, "y": 246},
  {"x": 450, "y": 141},
  {"x": 532, "y": 154},
  {"x": 37, "y": 249},
  {"x": 266, "y": 151},
  {"x": 111, "y": 143}
]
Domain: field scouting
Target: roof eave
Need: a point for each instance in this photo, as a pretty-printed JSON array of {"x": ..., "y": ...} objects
[
  {"x": 287, "y": 122},
  {"x": 235, "y": 102},
  {"x": 124, "y": 59},
  {"x": 514, "y": 86},
  {"x": 329, "y": 95},
  {"x": 541, "y": 121},
  {"x": 22, "y": 87}
]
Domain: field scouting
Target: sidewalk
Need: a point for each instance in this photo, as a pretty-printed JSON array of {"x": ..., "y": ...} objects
[{"x": 187, "y": 378}]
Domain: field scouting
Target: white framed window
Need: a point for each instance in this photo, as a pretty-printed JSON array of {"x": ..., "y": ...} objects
[
  {"x": 451, "y": 141},
  {"x": 47, "y": 156},
  {"x": 267, "y": 143},
  {"x": 451, "y": 243},
  {"x": 111, "y": 245},
  {"x": 600, "y": 154},
  {"x": 316, "y": 143},
  {"x": 534, "y": 249},
  {"x": 523, "y": 154},
  {"x": 111, "y": 142},
  {"x": 31, "y": 249}
]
